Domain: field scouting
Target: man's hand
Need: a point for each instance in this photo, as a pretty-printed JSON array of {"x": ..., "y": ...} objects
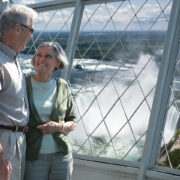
[{"x": 5, "y": 166}]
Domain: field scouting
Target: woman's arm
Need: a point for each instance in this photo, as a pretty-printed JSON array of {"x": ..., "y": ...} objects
[
  {"x": 68, "y": 127},
  {"x": 51, "y": 127}
]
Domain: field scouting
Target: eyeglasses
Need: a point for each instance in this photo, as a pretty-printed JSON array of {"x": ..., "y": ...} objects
[{"x": 30, "y": 29}]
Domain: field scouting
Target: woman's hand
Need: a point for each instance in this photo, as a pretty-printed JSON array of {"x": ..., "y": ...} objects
[
  {"x": 50, "y": 127},
  {"x": 5, "y": 166}
]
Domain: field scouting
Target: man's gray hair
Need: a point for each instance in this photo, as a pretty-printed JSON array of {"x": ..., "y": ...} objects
[
  {"x": 59, "y": 53},
  {"x": 17, "y": 14}
]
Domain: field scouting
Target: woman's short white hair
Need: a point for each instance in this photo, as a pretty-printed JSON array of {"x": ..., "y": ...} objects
[
  {"x": 16, "y": 14},
  {"x": 59, "y": 53}
]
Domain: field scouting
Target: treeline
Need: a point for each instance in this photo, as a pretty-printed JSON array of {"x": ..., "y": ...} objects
[{"x": 110, "y": 45}]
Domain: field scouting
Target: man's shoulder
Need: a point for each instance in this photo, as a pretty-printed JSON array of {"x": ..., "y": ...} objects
[{"x": 3, "y": 57}]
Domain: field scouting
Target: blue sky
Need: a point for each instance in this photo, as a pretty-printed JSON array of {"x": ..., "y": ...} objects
[{"x": 147, "y": 15}]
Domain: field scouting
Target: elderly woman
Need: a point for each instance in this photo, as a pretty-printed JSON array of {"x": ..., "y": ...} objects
[{"x": 52, "y": 117}]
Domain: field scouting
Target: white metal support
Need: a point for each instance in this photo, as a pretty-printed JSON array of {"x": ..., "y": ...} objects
[
  {"x": 73, "y": 37},
  {"x": 53, "y": 5},
  {"x": 90, "y": 2},
  {"x": 157, "y": 117}
]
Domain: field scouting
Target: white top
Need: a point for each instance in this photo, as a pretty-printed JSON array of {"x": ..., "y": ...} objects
[
  {"x": 13, "y": 98},
  {"x": 44, "y": 95}
]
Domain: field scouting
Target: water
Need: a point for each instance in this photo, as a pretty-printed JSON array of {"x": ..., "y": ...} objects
[
  {"x": 107, "y": 94},
  {"x": 114, "y": 116}
]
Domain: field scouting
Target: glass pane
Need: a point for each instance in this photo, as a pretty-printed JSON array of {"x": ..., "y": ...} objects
[
  {"x": 114, "y": 76},
  {"x": 114, "y": 72}
]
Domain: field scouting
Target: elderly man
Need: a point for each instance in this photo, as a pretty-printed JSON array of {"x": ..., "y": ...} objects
[{"x": 16, "y": 28}]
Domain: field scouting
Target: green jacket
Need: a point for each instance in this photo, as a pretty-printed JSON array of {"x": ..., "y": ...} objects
[{"x": 63, "y": 110}]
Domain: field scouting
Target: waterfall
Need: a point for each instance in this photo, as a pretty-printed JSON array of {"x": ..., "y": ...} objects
[
  {"x": 171, "y": 123},
  {"x": 116, "y": 118}
]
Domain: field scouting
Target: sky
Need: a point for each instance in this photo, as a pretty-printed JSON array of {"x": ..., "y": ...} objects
[{"x": 151, "y": 15}]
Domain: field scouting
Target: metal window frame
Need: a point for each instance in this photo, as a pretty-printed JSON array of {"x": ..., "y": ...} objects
[
  {"x": 73, "y": 38},
  {"x": 53, "y": 5},
  {"x": 156, "y": 122}
]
